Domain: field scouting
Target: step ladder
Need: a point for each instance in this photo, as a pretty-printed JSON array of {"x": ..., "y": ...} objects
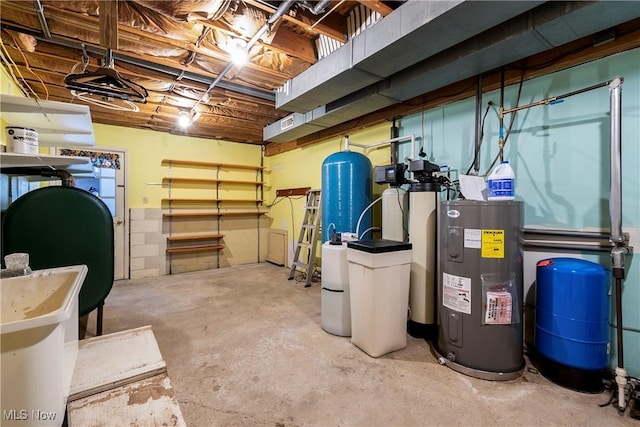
[{"x": 308, "y": 238}]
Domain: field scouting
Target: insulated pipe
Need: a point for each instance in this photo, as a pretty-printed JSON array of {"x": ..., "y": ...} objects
[
  {"x": 567, "y": 233},
  {"x": 615, "y": 213},
  {"x": 615, "y": 199}
]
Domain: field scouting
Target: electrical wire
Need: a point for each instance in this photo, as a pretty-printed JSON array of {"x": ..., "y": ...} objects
[
  {"x": 26, "y": 64},
  {"x": 24, "y": 86},
  {"x": 513, "y": 118},
  {"x": 10, "y": 69},
  {"x": 477, "y": 150}
]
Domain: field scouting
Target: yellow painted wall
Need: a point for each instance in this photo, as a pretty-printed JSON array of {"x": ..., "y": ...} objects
[
  {"x": 303, "y": 168},
  {"x": 146, "y": 149},
  {"x": 7, "y": 87}
]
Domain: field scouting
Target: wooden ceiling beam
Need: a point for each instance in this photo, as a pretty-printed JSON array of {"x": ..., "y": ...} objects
[
  {"x": 292, "y": 44},
  {"x": 109, "y": 24},
  {"x": 377, "y": 6},
  {"x": 331, "y": 26}
]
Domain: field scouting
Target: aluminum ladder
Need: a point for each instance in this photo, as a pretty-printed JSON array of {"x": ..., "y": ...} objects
[{"x": 308, "y": 238}]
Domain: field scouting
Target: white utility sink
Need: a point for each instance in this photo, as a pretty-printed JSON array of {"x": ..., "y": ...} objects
[{"x": 39, "y": 332}]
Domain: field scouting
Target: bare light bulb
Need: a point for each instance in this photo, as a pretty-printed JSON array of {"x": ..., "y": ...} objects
[
  {"x": 184, "y": 120},
  {"x": 238, "y": 52}
]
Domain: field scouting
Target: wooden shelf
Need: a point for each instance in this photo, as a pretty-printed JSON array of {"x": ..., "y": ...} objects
[
  {"x": 243, "y": 213},
  {"x": 210, "y": 181},
  {"x": 188, "y": 214},
  {"x": 211, "y": 200},
  {"x": 174, "y": 162},
  {"x": 185, "y": 237},
  {"x": 204, "y": 214},
  {"x": 211, "y": 206},
  {"x": 189, "y": 249}
]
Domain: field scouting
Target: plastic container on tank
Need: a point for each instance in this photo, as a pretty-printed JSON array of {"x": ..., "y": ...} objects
[{"x": 501, "y": 183}]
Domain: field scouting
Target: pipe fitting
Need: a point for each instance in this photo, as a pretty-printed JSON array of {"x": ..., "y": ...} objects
[
  {"x": 617, "y": 256},
  {"x": 621, "y": 381}
]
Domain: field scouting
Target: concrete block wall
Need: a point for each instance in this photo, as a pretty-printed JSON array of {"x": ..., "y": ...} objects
[{"x": 147, "y": 243}]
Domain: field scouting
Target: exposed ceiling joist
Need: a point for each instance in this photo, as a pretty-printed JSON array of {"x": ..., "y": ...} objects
[{"x": 109, "y": 24}]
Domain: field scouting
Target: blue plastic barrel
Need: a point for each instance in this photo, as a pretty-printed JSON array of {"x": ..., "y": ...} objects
[
  {"x": 572, "y": 312},
  {"x": 346, "y": 192}
]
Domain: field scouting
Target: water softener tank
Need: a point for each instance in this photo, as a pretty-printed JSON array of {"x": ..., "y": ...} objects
[
  {"x": 480, "y": 288},
  {"x": 572, "y": 322},
  {"x": 346, "y": 192},
  {"x": 395, "y": 211}
]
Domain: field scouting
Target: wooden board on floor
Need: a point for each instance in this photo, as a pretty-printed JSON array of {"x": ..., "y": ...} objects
[
  {"x": 112, "y": 360},
  {"x": 146, "y": 403}
]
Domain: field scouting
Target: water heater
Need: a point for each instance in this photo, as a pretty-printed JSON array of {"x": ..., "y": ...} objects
[{"x": 480, "y": 288}]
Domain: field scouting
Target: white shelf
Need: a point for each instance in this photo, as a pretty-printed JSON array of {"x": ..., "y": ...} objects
[
  {"x": 15, "y": 160},
  {"x": 59, "y": 124}
]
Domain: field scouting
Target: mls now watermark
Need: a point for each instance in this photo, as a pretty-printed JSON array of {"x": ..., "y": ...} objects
[{"x": 24, "y": 415}]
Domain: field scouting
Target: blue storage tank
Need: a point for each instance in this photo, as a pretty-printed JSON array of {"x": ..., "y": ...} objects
[
  {"x": 346, "y": 192},
  {"x": 572, "y": 320}
]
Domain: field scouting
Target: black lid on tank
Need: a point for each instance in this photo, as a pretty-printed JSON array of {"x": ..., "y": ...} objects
[{"x": 379, "y": 246}]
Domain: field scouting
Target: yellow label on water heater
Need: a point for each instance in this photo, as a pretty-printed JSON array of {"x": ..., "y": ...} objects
[{"x": 492, "y": 243}]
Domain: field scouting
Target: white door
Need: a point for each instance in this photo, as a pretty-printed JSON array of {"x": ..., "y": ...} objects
[{"x": 109, "y": 184}]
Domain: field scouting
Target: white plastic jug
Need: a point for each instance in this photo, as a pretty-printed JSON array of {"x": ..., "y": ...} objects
[{"x": 501, "y": 183}]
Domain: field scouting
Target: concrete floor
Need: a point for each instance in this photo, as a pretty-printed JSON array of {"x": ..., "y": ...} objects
[{"x": 244, "y": 347}]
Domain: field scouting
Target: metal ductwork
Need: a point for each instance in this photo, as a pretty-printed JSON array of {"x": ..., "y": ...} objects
[
  {"x": 345, "y": 97},
  {"x": 412, "y": 33}
]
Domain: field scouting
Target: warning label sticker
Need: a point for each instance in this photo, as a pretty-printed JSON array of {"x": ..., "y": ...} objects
[
  {"x": 492, "y": 244},
  {"x": 456, "y": 293},
  {"x": 498, "y": 308},
  {"x": 472, "y": 238}
]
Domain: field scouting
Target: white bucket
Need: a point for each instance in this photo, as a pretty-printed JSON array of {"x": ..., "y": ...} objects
[
  {"x": 22, "y": 140},
  {"x": 501, "y": 183}
]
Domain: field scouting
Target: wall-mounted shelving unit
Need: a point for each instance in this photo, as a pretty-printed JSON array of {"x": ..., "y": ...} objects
[
  {"x": 59, "y": 124},
  {"x": 209, "y": 201}
]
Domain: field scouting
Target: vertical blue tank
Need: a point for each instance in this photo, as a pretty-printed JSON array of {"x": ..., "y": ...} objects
[
  {"x": 572, "y": 313},
  {"x": 346, "y": 192}
]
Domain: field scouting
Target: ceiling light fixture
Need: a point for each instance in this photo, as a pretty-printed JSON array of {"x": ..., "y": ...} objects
[
  {"x": 184, "y": 120},
  {"x": 238, "y": 51}
]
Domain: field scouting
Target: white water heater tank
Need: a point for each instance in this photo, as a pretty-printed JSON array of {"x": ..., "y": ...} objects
[{"x": 395, "y": 211}]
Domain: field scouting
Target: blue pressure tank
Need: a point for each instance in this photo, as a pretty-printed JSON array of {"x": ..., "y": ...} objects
[
  {"x": 572, "y": 320},
  {"x": 346, "y": 192}
]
